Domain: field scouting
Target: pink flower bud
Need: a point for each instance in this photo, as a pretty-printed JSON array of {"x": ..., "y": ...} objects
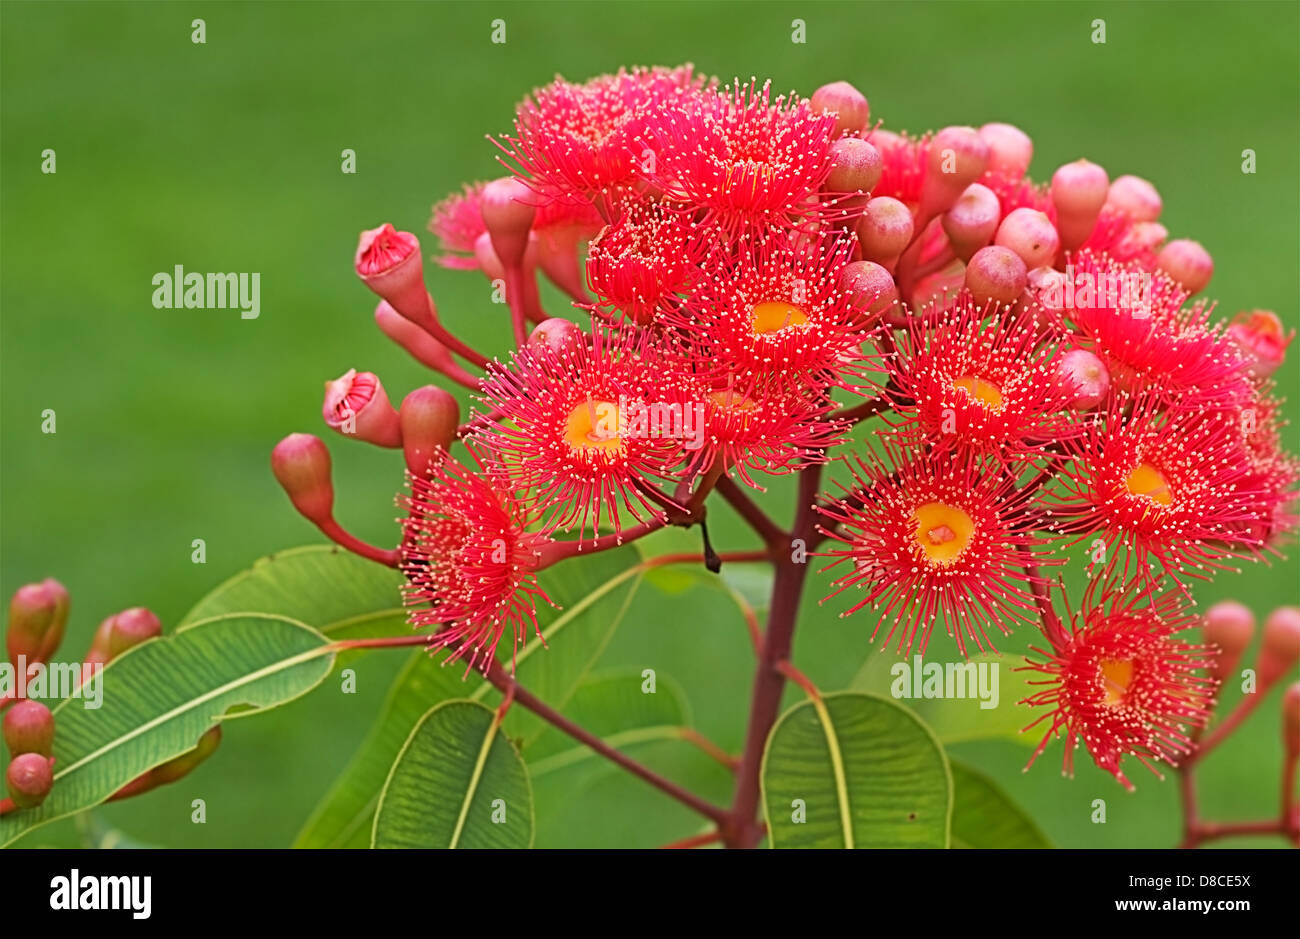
[
  {"x": 38, "y": 617},
  {"x": 996, "y": 275},
  {"x": 430, "y": 417},
  {"x": 1258, "y": 334},
  {"x": 422, "y": 347},
  {"x": 1230, "y": 626},
  {"x": 884, "y": 230},
  {"x": 1031, "y": 235},
  {"x": 972, "y": 221},
  {"x": 1136, "y": 198},
  {"x": 1291, "y": 720},
  {"x": 870, "y": 287},
  {"x": 1280, "y": 647},
  {"x": 130, "y": 628},
  {"x": 186, "y": 763},
  {"x": 1010, "y": 149},
  {"x": 509, "y": 208},
  {"x": 855, "y": 166},
  {"x": 301, "y": 463},
  {"x": 97, "y": 654},
  {"x": 356, "y": 405},
  {"x": 1186, "y": 262},
  {"x": 1078, "y": 192},
  {"x": 956, "y": 158},
  {"x": 30, "y": 777},
  {"x": 29, "y": 728},
  {"x": 388, "y": 262},
  {"x": 1084, "y": 377},
  {"x": 556, "y": 334},
  {"x": 847, "y": 104}
]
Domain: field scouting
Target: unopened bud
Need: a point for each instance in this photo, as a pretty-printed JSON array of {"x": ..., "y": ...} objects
[
  {"x": 1010, "y": 149},
  {"x": 1078, "y": 192},
  {"x": 972, "y": 221},
  {"x": 996, "y": 274},
  {"x": 870, "y": 287},
  {"x": 186, "y": 763},
  {"x": 509, "y": 208},
  {"x": 1084, "y": 378},
  {"x": 301, "y": 463},
  {"x": 956, "y": 158},
  {"x": 356, "y": 405},
  {"x": 130, "y": 628},
  {"x": 30, "y": 777},
  {"x": 1280, "y": 647},
  {"x": 884, "y": 230},
  {"x": 38, "y": 617},
  {"x": 1259, "y": 336},
  {"x": 1136, "y": 198},
  {"x": 429, "y": 417},
  {"x": 1186, "y": 262},
  {"x": 849, "y": 106},
  {"x": 556, "y": 334},
  {"x": 29, "y": 728},
  {"x": 1230, "y": 626},
  {"x": 1030, "y": 234},
  {"x": 855, "y": 166}
]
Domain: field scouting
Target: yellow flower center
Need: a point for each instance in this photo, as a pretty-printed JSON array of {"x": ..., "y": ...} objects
[
  {"x": 772, "y": 316},
  {"x": 1116, "y": 676},
  {"x": 1149, "y": 482},
  {"x": 943, "y": 531},
  {"x": 981, "y": 391},
  {"x": 593, "y": 426}
]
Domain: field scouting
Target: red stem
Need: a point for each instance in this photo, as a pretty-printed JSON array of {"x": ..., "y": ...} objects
[{"x": 334, "y": 531}]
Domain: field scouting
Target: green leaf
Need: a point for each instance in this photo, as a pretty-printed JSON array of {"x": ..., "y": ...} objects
[
  {"x": 955, "y": 719},
  {"x": 159, "y": 698},
  {"x": 863, "y": 771},
  {"x": 593, "y": 593},
  {"x": 983, "y": 816},
  {"x": 340, "y": 594},
  {"x": 457, "y": 783}
]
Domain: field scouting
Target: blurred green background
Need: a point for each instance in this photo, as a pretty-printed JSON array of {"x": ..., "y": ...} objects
[{"x": 226, "y": 157}]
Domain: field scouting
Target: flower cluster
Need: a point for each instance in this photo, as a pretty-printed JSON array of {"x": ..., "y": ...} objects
[{"x": 753, "y": 275}]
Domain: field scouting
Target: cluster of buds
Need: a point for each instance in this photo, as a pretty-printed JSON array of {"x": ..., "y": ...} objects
[
  {"x": 1044, "y": 376},
  {"x": 38, "y": 619}
]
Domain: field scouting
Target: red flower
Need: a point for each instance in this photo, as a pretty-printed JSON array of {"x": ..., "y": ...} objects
[
  {"x": 1123, "y": 684},
  {"x": 458, "y": 222},
  {"x": 469, "y": 563},
  {"x": 640, "y": 262},
  {"x": 943, "y": 535}
]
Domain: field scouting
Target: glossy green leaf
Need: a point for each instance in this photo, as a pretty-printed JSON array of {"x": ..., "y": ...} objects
[
  {"x": 159, "y": 698},
  {"x": 983, "y": 816},
  {"x": 458, "y": 782},
  {"x": 855, "y": 770}
]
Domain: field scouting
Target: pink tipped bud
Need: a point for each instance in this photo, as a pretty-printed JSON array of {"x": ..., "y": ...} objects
[
  {"x": 870, "y": 287},
  {"x": 884, "y": 230},
  {"x": 855, "y": 166},
  {"x": 1187, "y": 262},
  {"x": 996, "y": 274},
  {"x": 388, "y": 262},
  {"x": 1010, "y": 149},
  {"x": 1280, "y": 647},
  {"x": 430, "y": 417},
  {"x": 1145, "y": 236},
  {"x": 30, "y": 777},
  {"x": 1078, "y": 192},
  {"x": 38, "y": 617},
  {"x": 1259, "y": 336},
  {"x": 956, "y": 158},
  {"x": 29, "y": 728},
  {"x": 97, "y": 654},
  {"x": 509, "y": 208},
  {"x": 422, "y": 347},
  {"x": 356, "y": 405},
  {"x": 1230, "y": 626},
  {"x": 186, "y": 763},
  {"x": 556, "y": 334},
  {"x": 1047, "y": 288},
  {"x": 972, "y": 221},
  {"x": 1136, "y": 198},
  {"x": 850, "y": 107},
  {"x": 130, "y": 628},
  {"x": 301, "y": 463},
  {"x": 1291, "y": 720},
  {"x": 1030, "y": 234},
  {"x": 1084, "y": 377}
]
